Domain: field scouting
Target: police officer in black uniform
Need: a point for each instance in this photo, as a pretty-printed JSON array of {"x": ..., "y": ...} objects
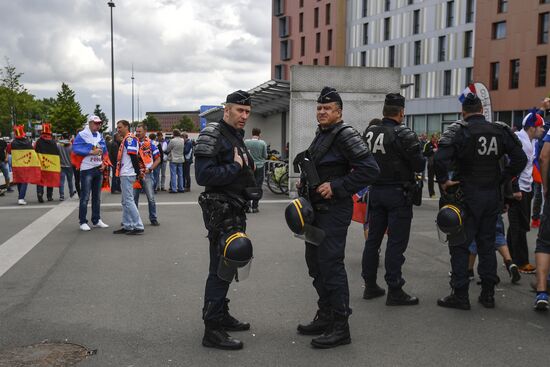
[
  {"x": 344, "y": 165},
  {"x": 397, "y": 151},
  {"x": 224, "y": 166},
  {"x": 473, "y": 147}
]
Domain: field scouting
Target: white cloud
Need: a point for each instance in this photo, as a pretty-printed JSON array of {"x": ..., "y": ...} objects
[{"x": 185, "y": 52}]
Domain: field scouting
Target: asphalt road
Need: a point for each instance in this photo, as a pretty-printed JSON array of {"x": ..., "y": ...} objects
[{"x": 138, "y": 300}]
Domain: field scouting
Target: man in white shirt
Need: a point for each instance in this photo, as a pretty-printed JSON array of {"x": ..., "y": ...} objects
[{"x": 520, "y": 209}]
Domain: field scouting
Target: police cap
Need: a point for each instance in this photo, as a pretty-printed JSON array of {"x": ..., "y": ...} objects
[
  {"x": 395, "y": 99},
  {"x": 328, "y": 95},
  {"x": 239, "y": 97}
]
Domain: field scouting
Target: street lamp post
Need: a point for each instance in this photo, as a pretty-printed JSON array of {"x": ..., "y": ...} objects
[
  {"x": 112, "y": 5},
  {"x": 132, "y": 93}
]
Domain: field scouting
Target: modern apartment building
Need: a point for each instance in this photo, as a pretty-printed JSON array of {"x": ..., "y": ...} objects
[
  {"x": 512, "y": 52},
  {"x": 307, "y": 32},
  {"x": 432, "y": 41}
]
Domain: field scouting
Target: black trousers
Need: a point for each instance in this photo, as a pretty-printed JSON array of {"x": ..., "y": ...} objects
[
  {"x": 326, "y": 262},
  {"x": 187, "y": 174},
  {"x": 40, "y": 191},
  {"x": 431, "y": 176},
  {"x": 480, "y": 223},
  {"x": 259, "y": 178},
  {"x": 388, "y": 209},
  {"x": 216, "y": 289},
  {"x": 519, "y": 217}
]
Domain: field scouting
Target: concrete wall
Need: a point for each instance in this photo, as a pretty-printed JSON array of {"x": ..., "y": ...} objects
[
  {"x": 363, "y": 91},
  {"x": 271, "y": 127}
]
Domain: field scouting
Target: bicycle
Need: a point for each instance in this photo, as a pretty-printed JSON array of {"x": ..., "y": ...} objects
[{"x": 276, "y": 176}]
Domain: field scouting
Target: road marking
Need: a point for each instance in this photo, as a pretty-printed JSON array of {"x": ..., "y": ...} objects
[{"x": 25, "y": 240}]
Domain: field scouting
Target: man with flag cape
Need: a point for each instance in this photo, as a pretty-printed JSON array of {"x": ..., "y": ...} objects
[
  {"x": 50, "y": 163},
  {"x": 25, "y": 163}
]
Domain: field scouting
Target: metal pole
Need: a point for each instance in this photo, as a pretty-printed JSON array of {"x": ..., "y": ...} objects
[
  {"x": 112, "y": 5},
  {"x": 132, "y": 92}
]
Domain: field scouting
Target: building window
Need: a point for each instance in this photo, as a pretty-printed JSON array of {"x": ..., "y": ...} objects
[
  {"x": 279, "y": 71},
  {"x": 301, "y": 22},
  {"x": 363, "y": 58},
  {"x": 301, "y": 3},
  {"x": 318, "y": 42},
  {"x": 278, "y": 7},
  {"x": 387, "y": 4},
  {"x": 416, "y": 85},
  {"x": 391, "y": 56},
  {"x": 284, "y": 27},
  {"x": 417, "y": 52},
  {"x": 447, "y": 83},
  {"x": 514, "y": 74},
  {"x": 499, "y": 30},
  {"x": 542, "y": 64},
  {"x": 416, "y": 21},
  {"x": 286, "y": 50},
  {"x": 442, "y": 48},
  {"x": 302, "y": 46},
  {"x": 315, "y": 62},
  {"x": 410, "y": 2},
  {"x": 450, "y": 13},
  {"x": 468, "y": 78},
  {"x": 495, "y": 71},
  {"x": 502, "y": 6},
  {"x": 327, "y": 14},
  {"x": 544, "y": 22},
  {"x": 364, "y": 8},
  {"x": 468, "y": 43},
  {"x": 327, "y": 60},
  {"x": 545, "y": 1},
  {"x": 469, "y": 11},
  {"x": 316, "y": 17},
  {"x": 365, "y": 33},
  {"x": 329, "y": 40},
  {"x": 387, "y": 28}
]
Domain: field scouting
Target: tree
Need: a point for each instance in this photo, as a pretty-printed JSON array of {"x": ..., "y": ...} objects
[
  {"x": 99, "y": 113},
  {"x": 152, "y": 123},
  {"x": 13, "y": 87},
  {"x": 66, "y": 115},
  {"x": 186, "y": 124}
]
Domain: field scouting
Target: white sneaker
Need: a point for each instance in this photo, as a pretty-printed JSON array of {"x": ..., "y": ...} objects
[
  {"x": 100, "y": 224},
  {"x": 85, "y": 227},
  {"x": 21, "y": 202}
]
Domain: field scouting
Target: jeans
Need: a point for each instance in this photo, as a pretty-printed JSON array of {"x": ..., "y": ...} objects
[
  {"x": 156, "y": 178},
  {"x": 90, "y": 183},
  {"x": 5, "y": 171},
  {"x": 148, "y": 187},
  {"x": 115, "y": 181},
  {"x": 162, "y": 175},
  {"x": 537, "y": 200},
  {"x": 130, "y": 214},
  {"x": 176, "y": 176},
  {"x": 77, "y": 180},
  {"x": 66, "y": 173},
  {"x": 22, "y": 190}
]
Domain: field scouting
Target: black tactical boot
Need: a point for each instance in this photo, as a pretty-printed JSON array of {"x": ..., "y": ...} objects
[
  {"x": 230, "y": 323},
  {"x": 458, "y": 300},
  {"x": 216, "y": 337},
  {"x": 487, "y": 296},
  {"x": 372, "y": 290},
  {"x": 398, "y": 297},
  {"x": 40, "y": 199},
  {"x": 321, "y": 322},
  {"x": 337, "y": 334}
]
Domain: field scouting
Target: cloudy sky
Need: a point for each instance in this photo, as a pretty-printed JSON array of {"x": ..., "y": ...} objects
[{"x": 185, "y": 53}]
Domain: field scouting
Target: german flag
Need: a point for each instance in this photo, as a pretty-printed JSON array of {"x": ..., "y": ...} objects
[
  {"x": 25, "y": 163},
  {"x": 50, "y": 163}
]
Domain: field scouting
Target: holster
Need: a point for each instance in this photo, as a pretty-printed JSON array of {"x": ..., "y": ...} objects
[
  {"x": 413, "y": 192},
  {"x": 223, "y": 213}
]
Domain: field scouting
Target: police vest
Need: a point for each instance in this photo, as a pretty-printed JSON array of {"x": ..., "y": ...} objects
[
  {"x": 386, "y": 148},
  {"x": 479, "y": 157},
  {"x": 245, "y": 178}
]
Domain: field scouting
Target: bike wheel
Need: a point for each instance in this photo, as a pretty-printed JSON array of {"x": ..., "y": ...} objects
[
  {"x": 283, "y": 183},
  {"x": 272, "y": 184}
]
